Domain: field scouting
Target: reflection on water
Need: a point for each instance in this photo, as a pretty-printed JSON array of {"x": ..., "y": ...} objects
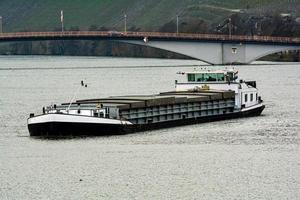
[{"x": 253, "y": 158}]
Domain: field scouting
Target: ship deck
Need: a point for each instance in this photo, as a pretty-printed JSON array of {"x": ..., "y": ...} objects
[{"x": 161, "y": 99}]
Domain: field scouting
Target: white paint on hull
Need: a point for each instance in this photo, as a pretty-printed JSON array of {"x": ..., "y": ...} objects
[
  {"x": 74, "y": 119},
  {"x": 252, "y": 107}
]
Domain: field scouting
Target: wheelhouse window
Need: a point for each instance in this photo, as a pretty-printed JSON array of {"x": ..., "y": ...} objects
[
  {"x": 220, "y": 77},
  {"x": 191, "y": 78},
  {"x": 206, "y": 77},
  {"x": 230, "y": 76},
  {"x": 251, "y": 97}
]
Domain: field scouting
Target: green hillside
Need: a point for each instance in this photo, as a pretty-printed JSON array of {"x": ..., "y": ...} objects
[{"x": 150, "y": 15}]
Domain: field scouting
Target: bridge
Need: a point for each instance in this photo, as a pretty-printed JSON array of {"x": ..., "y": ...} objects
[{"x": 210, "y": 48}]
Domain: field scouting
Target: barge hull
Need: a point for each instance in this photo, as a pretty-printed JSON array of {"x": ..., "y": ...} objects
[
  {"x": 68, "y": 129},
  {"x": 71, "y": 129}
]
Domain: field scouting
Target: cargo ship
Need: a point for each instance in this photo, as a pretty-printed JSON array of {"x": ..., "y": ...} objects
[{"x": 203, "y": 96}]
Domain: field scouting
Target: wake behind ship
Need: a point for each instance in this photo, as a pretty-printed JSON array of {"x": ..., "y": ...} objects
[{"x": 205, "y": 96}]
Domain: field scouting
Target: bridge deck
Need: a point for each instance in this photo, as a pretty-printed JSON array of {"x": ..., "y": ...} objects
[{"x": 23, "y": 36}]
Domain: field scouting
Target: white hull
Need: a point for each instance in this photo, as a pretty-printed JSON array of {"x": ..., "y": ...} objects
[{"x": 66, "y": 118}]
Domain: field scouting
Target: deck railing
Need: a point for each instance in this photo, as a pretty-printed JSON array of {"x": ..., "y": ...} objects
[{"x": 149, "y": 35}]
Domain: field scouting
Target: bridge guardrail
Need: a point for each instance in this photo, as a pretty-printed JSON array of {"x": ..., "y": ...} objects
[{"x": 160, "y": 35}]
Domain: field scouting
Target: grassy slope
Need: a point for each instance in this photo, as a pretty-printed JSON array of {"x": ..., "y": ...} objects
[{"x": 146, "y": 14}]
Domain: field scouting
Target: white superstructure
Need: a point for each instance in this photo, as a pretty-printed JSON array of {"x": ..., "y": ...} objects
[{"x": 246, "y": 93}]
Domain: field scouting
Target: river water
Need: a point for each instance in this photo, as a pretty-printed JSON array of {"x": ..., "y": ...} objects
[{"x": 253, "y": 158}]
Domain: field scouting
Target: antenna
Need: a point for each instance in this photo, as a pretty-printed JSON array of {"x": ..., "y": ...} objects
[{"x": 82, "y": 84}]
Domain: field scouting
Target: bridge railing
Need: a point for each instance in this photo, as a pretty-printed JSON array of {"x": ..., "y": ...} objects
[{"x": 175, "y": 36}]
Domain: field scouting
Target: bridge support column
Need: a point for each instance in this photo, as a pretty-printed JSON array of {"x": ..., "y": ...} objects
[{"x": 234, "y": 53}]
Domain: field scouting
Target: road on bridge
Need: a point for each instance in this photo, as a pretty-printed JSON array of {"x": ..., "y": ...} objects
[{"x": 146, "y": 36}]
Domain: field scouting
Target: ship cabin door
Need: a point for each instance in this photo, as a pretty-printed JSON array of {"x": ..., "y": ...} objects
[{"x": 101, "y": 113}]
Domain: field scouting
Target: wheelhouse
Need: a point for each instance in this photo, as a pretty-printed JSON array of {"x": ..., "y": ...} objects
[{"x": 212, "y": 76}]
